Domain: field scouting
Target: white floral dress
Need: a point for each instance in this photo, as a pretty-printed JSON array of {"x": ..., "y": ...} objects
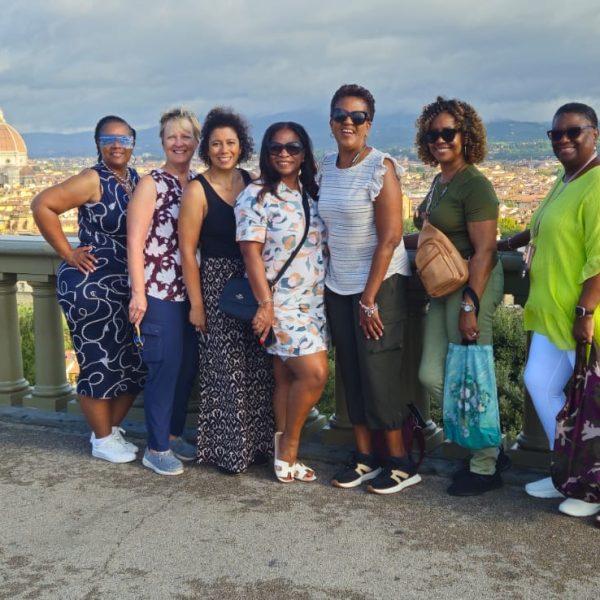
[{"x": 278, "y": 222}]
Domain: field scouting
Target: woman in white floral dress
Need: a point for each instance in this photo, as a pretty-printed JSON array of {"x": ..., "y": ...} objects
[{"x": 290, "y": 319}]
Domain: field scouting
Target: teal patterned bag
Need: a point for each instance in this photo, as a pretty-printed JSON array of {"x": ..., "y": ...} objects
[{"x": 471, "y": 416}]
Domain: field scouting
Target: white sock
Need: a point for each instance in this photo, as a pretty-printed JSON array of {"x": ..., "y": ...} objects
[{"x": 98, "y": 441}]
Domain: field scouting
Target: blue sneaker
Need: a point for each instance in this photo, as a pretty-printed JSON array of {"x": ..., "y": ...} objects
[
  {"x": 183, "y": 450},
  {"x": 163, "y": 463}
]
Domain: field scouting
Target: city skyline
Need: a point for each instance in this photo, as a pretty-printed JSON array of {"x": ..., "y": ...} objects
[{"x": 64, "y": 64}]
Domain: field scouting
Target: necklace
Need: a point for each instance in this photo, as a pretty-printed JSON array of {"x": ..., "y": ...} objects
[
  {"x": 125, "y": 182},
  {"x": 357, "y": 155},
  {"x": 222, "y": 185},
  {"x": 354, "y": 158},
  {"x": 535, "y": 228},
  {"x": 565, "y": 182}
]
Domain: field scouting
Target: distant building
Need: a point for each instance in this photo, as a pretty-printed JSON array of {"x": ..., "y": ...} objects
[{"x": 14, "y": 167}]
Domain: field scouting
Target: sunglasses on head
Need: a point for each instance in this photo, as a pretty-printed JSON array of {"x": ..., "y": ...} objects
[
  {"x": 447, "y": 134},
  {"x": 125, "y": 141},
  {"x": 572, "y": 133},
  {"x": 358, "y": 117},
  {"x": 292, "y": 148}
]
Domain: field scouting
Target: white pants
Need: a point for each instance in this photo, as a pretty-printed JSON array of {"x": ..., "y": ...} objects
[{"x": 547, "y": 372}]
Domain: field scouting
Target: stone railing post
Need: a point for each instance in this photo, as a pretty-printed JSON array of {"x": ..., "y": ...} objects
[
  {"x": 51, "y": 390},
  {"x": 13, "y": 386}
]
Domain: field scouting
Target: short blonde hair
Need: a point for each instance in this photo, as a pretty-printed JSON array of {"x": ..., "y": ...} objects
[{"x": 180, "y": 114}]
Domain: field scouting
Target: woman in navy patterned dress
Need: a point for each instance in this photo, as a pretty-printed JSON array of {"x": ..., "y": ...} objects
[{"x": 92, "y": 284}]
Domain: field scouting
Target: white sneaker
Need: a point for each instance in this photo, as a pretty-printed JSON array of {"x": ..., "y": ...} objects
[
  {"x": 543, "y": 488},
  {"x": 578, "y": 508},
  {"x": 118, "y": 433},
  {"x": 113, "y": 451}
]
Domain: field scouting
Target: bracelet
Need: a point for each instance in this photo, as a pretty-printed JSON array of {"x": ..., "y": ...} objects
[
  {"x": 470, "y": 292},
  {"x": 368, "y": 310},
  {"x": 266, "y": 301}
]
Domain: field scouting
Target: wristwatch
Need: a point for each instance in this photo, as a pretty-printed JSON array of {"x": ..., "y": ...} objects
[
  {"x": 467, "y": 307},
  {"x": 582, "y": 311}
]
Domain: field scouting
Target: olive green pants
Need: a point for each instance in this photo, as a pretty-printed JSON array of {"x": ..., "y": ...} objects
[{"x": 441, "y": 328}]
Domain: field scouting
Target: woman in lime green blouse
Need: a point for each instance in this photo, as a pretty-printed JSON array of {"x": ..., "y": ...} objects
[{"x": 564, "y": 264}]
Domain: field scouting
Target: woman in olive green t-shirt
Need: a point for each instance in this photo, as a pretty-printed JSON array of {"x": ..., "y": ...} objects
[{"x": 461, "y": 203}]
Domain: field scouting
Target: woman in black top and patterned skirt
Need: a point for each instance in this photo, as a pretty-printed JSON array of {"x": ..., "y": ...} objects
[{"x": 235, "y": 424}]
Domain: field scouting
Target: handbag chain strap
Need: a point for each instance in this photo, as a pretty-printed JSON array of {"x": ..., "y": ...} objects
[{"x": 288, "y": 262}]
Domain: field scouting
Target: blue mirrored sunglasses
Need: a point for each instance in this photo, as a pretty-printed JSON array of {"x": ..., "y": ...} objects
[{"x": 125, "y": 141}]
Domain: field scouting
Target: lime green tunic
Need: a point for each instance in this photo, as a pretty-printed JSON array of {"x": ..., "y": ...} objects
[{"x": 567, "y": 253}]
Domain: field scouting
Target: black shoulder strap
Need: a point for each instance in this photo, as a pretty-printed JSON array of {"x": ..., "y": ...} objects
[
  {"x": 288, "y": 262},
  {"x": 204, "y": 183}
]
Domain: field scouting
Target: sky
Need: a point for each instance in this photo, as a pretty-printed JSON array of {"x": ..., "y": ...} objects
[{"x": 66, "y": 63}]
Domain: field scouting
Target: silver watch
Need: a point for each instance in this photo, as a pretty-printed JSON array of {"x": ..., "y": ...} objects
[{"x": 467, "y": 307}]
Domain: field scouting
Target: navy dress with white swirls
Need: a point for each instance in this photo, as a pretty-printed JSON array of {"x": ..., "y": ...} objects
[{"x": 96, "y": 305}]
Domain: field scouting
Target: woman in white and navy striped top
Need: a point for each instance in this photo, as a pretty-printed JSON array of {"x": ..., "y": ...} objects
[{"x": 361, "y": 205}]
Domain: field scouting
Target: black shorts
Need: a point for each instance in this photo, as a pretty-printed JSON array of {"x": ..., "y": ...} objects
[{"x": 371, "y": 370}]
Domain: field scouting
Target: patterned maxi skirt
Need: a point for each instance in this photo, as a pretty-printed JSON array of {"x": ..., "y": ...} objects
[{"x": 235, "y": 421}]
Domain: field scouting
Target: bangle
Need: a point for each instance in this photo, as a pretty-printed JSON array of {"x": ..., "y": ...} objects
[
  {"x": 266, "y": 301},
  {"x": 369, "y": 310}
]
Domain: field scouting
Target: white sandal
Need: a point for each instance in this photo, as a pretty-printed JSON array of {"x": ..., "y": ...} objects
[
  {"x": 303, "y": 473},
  {"x": 283, "y": 470}
]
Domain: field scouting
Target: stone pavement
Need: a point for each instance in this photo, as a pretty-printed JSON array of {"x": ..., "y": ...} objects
[{"x": 72, "y": 526}]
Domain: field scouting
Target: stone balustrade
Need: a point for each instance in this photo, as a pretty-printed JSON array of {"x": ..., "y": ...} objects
[{"x": 30, "y": 259}]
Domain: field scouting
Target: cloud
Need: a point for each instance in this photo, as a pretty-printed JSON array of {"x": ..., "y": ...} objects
[{"x": 67, "y": 62}]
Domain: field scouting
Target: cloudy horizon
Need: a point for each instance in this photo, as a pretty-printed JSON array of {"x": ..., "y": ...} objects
[{"x": 66, "y": 63}]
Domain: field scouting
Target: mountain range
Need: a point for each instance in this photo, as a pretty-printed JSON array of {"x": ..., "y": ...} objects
[{"x": 389, "y": 131}]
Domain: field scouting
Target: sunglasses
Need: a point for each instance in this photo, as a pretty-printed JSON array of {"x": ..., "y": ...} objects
[
  {"x": 292, "y": 148},
  {"x": 447, "y": 134},
  {"x": 125, "y": 141},
  {"x": 358, "y": 117},
  {"x": 572, "y": 133},
  {"x": 138, "y": 338}
]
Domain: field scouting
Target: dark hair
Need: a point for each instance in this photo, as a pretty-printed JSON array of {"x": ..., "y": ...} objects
[
  {"x": 358, "y": 91},
  {"x": 581, "y": 109},
  {"x": 467, "y": 120},
  {"x": 225, "y": 117},
  {"x": 105, "y": 121},
  {"x": 308, "y": 169}
]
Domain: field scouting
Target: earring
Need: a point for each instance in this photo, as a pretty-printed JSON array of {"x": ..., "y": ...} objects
[
  {"x": 133, "y": 159},
  {"x": 331, "y": 134}
]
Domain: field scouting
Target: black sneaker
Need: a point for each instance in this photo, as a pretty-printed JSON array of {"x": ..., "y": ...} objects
[
  {"x": 474, "y": 484},
  {"x": 360, "y": 467},
  {"x": 398, "y": 473},
  {"x": 503, "y": 463}
]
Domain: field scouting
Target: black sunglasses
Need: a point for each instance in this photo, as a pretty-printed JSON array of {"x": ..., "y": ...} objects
[
  {"x": 292, "y": 148},
  {"x": 358, "y": 117},
  {"x": 448, "y": 134},
  {"x": 572, "y": 133}
]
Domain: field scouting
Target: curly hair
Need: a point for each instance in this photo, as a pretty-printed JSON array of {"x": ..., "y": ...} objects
[
  {"x": 467, "y": 120},
  {"x": 308, "y": 170},
  {"x": 225, "y": 117},
  {"x": 105, "y": 121},
  {"x": 357, "y": 91}
]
